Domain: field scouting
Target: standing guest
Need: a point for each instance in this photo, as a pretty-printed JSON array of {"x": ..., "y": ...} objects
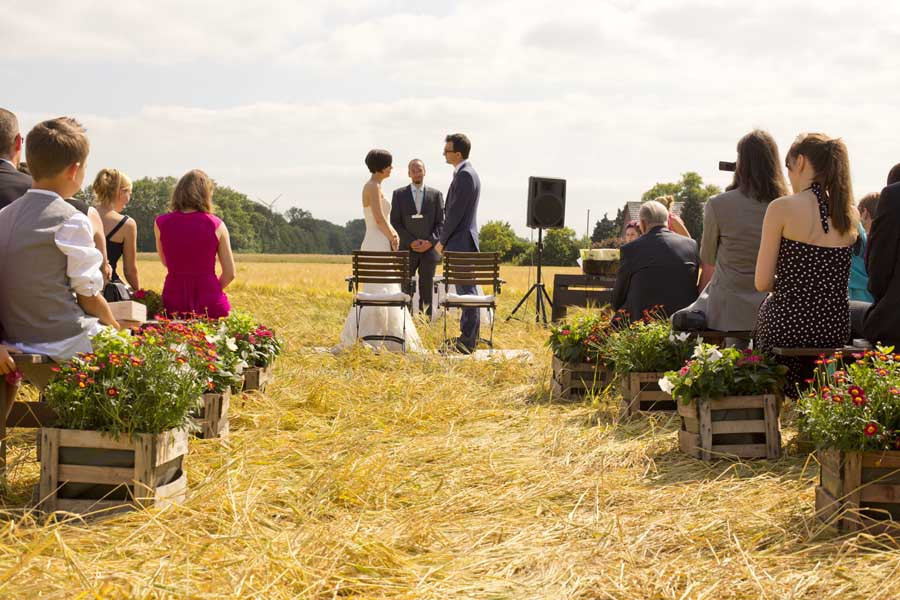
[
  {"x": 460, "y": 232},
  {"x": 13, "y": 183},
  {"x": 804, "y": 256},
  {"x": 47, "y": 249},
  {"x": 113, "y": 191},
  {"x": 732, "y": 227},
  {"x": 674, "y": 223},
  {"x": 188, "y": 240},
  {"x": 632, "y": 231},
  {"x": 417, "y": 214},
  {"x": 859, "y": 277},
  {"x": 658, "y": 268}
]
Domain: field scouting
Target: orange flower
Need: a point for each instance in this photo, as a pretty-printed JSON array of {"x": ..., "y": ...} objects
[{"x": 870, "y": 429}]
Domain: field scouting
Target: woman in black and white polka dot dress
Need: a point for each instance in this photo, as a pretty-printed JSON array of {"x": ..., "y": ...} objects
[{"x": 804, "y": 255}]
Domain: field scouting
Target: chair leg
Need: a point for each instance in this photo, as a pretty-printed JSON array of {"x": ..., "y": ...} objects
[
  {"x": 444, "y": 345},
  {"x": 403, "y": 344},
  {"x": 493, "y": 314},
  {"x": 358, "y": 315}
]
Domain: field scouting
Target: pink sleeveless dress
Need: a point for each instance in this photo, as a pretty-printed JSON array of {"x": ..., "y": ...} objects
[{"x": 189, "y": 243}]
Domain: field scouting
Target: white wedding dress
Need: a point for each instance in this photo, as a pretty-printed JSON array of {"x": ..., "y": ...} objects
[{"x": 379, "y": 320}]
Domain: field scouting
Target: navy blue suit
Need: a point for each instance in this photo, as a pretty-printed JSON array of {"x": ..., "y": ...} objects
[{"x": 460, "y": 234}]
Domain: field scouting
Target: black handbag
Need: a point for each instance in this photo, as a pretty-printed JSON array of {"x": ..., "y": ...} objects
[
  {"x": 116, "y": 291},
  {"x": 689, "y": 320}
]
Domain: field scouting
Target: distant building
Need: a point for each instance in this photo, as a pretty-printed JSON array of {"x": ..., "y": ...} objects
[{"x": 632, "y": 212}]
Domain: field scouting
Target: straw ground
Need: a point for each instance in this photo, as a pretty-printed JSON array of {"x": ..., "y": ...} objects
[{"x": 383, "y": 476}]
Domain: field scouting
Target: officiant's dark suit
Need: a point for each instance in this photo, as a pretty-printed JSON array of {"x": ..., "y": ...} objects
[
  {"x": 13, "y": 184},
  {"x": 417, "y": 213}
]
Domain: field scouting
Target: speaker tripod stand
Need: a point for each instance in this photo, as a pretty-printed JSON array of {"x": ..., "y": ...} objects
[{"x": 541, "y": 297}]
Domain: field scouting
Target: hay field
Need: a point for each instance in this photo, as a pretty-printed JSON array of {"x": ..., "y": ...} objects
[{"x": 380, "y": 476}]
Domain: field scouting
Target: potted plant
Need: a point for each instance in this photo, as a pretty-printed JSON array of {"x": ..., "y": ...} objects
[
  {"x": 852, "y": 415},
  {"x": 124, "y": 415},
  {"x": 642, "y": 351},
  {"x": 257, "y": 346},
  {"x": 152, "y": 300},
  {"x": 729, "y": 401},
  {"x": 579, "y": 367}
]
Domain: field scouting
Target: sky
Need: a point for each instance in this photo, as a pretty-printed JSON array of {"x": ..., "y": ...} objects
[{"x": 284, "y": 99}]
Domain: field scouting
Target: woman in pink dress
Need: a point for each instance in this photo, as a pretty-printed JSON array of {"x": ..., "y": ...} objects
[{"x": 188, "y": 240}]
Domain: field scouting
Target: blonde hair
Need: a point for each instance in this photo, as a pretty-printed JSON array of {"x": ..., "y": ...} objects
[
  {"x": 53, "y": 146},
  {"x": 108, "y": 184},
  {"x": 194, "y": 191},
  {"x": 666, "y": 201}
]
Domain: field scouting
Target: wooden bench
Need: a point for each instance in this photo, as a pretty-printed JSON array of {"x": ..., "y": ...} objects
[
  {"x": 580, "y": 290},
  {"x": 816, "y": 352},
  {"x": 718, "y": 337},
  {"x": 37, "y": 370}
]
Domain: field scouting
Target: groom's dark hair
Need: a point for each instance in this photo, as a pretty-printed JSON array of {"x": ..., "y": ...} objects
[
  {"x": 460, "y": 143},
  {"x": 378, "y": 160},
  {"x": 894, "y": 175}
]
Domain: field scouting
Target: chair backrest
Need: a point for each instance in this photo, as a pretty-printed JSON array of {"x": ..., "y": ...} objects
[
  {"x": 382, "y": 267},
  {"x": 472, "y": 268}
]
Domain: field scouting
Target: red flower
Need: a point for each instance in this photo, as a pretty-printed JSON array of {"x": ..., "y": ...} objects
[
  {"x": 211, "y": 368},
  {"x": 112, "y": 392},
  {"x": 857, "y": 355},
  {"x": 858, "y": 400},
  {"x": 870, "y": 429},
  {"x": 564, "y": 332},
  {"x": 684, "y": 370},
  {"x": 857, "y": 392},
  {"x": 210, "y": 384},
  {"x": 895, "y": 391},
  {"x": 837, "y": 398},
  {"x": 140, "y": 294},
  {"x": 882, "y": 372}
]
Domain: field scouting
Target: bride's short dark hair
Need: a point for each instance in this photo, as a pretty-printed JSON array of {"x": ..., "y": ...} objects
[{"x": 378, "y": 160}]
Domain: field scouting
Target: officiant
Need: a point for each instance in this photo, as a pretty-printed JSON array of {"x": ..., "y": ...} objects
[{"x": 417, "y": 213}]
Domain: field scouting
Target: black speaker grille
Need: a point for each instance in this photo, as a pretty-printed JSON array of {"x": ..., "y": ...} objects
[{"x": 548, "y": 211}]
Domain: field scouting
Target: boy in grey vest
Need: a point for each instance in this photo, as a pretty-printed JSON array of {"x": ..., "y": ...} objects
[{"x": 50, "y": 297}]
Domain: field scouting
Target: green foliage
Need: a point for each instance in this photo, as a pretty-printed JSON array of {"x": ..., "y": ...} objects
[
  {"x": 497, "y": 236},
  {"x": 693, "y": 193},
  {"x": 560, "y": 247},
  {"x": 152, "y": 300},
  {"x": 714, "y": 373},
  {"x": 580, "y": 340},
  {"x": 256, "y": 345},
  {"x": 606, "y": 228},
  {"x": 854, "y": 406},
  {"x": 646, "y": 346},
  {"x": 126, "y": 385}
]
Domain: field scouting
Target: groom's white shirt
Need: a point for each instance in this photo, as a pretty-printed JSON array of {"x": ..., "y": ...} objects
[{"x": 460, "y": 166}]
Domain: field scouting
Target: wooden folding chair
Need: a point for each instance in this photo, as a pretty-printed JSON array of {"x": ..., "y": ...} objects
[
  {"x": 381, "y": 268},
  {"x": 470, "y": 268}
]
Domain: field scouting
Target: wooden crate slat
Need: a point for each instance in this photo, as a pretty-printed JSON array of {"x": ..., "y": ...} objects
[
  {"x": 721, "y": 427},
  {"x": 92, "y": 439},
  {"x": 830, "y": 458},
  {"x": 851, "y": 493},
  {"x": 705, "y": 418},
  {"x": 171, "y": 445},
  {"x": 879, "y": 492},
  {"x": 173, "y": 492},
  {"x": 49, "y": 482},
  {"x": 91, "y": 507},
  {"x": 91, "y": 474},
  {"x": 128, "y": 310},
  {"x": 633, "y": 388},
  {"x": 772, "y": 424},
  {"x": 831, "y": 480},
  {"x": 737, "y": 402},
  {"x": 21, "y": 358},
  {"x": 649, "y": 377},
  {"x": 826, "y": 505},
  {"x": 689, "y": 443},
  {"x": 655, "y": 396},
  {"x": 688, "y": 411},
  {"x": 741, "y": 450},
  {"x": 880, "y": 460}
]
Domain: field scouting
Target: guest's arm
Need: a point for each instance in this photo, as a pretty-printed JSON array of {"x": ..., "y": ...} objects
[
  {"x": 100, "y": 241},
  {"x": 226, "y": 258},
  {"x": 769, "y": 244},
  {"x": 75, "y": 239},
  {"x": 709, "y": 246},
  {"x": 463, "y": 201},
  {"x": 129, "y": 255},
  {"x": 159, "y": 250},
  {"x": 7, "y": 364},
  {"x": 678, "y": 226},
  {"x": 373, "y": 200}
]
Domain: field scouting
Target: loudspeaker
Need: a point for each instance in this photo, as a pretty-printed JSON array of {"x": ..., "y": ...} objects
[{"x": 546, "y": 203}]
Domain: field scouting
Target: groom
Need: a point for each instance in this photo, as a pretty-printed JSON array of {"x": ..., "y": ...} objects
[
  {"x": 417, "y": 213},
  {"x": 460, "y": 232}
]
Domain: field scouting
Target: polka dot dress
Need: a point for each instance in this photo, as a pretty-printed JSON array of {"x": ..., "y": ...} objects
[{"x": 809, "y": 307}]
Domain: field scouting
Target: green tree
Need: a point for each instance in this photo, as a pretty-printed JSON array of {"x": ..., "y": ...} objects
[
  {"x": 497, "y": 236},
  {"x": 560, "y": 247},
  {"x": 605, "y": 228},
  {"x": 661, "y": 189},
  {"x": 692, "y": 192}
]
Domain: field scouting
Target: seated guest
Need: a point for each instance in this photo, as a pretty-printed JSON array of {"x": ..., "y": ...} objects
[
  {"x": 674, "y": 223},
  {"x": 804, "y": 255},
  {"x": 13, "y": 183},
  {"x": 97, "y": 225},
  {"x": 658, "y": 268},
  {"x": 732, "y": 227},
  {"x": 188, "y": 240},
  {"x": 113, "y": 191},
  {"x": 48, "y": 252},
  {"x": 880, "y": 322},
  {"x": 632, "y": 231},
  {"x": 859, "y": 277}
]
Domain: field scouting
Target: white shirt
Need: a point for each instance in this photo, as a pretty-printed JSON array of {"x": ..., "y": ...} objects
[
  {"x": 459, "y": 166},
  {"x": 418, "y": 193},
  {"x": 75, "y": 239}
]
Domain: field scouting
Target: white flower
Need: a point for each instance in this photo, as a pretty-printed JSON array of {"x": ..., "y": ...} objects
[
  {"x": 714, "y": 354},
  {"x": 683, "y": 336},
  {"x": 666, "y": 385},
  {"x": 229, "y": 343},
  {"x": 698, "y": 350},
  {"x": 671, "y": 337}
]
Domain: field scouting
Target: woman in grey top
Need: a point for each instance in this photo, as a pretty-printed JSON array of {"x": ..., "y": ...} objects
[{"x": 732, "y": 228}]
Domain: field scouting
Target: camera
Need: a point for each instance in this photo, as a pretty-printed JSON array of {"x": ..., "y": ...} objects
[{"x": 727, "y": 166}]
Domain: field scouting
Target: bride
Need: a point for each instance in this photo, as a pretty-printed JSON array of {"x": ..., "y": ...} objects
[{"x": 380, "y": 236}]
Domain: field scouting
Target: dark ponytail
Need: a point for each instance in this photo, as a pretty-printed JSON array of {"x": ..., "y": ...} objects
[{"x": 831, "y": 162}]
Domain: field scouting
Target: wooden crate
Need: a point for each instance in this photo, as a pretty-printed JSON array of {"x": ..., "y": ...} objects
[
  {"x": 574, "y": 381},
  {"x": 213, "y": 416},
  {"x": 859, "y": 490},
  {"x": 640, "y": 392},
  {"x": 128, "y": 310},
  {"x": 734, "y": 426},
  {"x": 258, "y": 378},
  {"x": 150, "y": 456}
]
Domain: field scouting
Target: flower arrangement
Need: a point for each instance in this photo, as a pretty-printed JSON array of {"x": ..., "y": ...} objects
[
  {"x": 256, "y": 344},
  {"x": 580, "y": 340},
  {"x": 646, "y": 346},
  {"x": 856, "y": 405},
  {"x": 127, "y": 385},
  {"x": 152, "y": 300},
  {"x": 714, "y": 373}
]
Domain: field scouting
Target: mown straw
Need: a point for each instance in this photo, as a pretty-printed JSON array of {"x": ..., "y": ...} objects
[{"x": 381, "y": 476}]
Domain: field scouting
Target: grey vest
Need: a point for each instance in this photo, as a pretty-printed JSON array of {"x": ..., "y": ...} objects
[{"x": 36, "y": 303}]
